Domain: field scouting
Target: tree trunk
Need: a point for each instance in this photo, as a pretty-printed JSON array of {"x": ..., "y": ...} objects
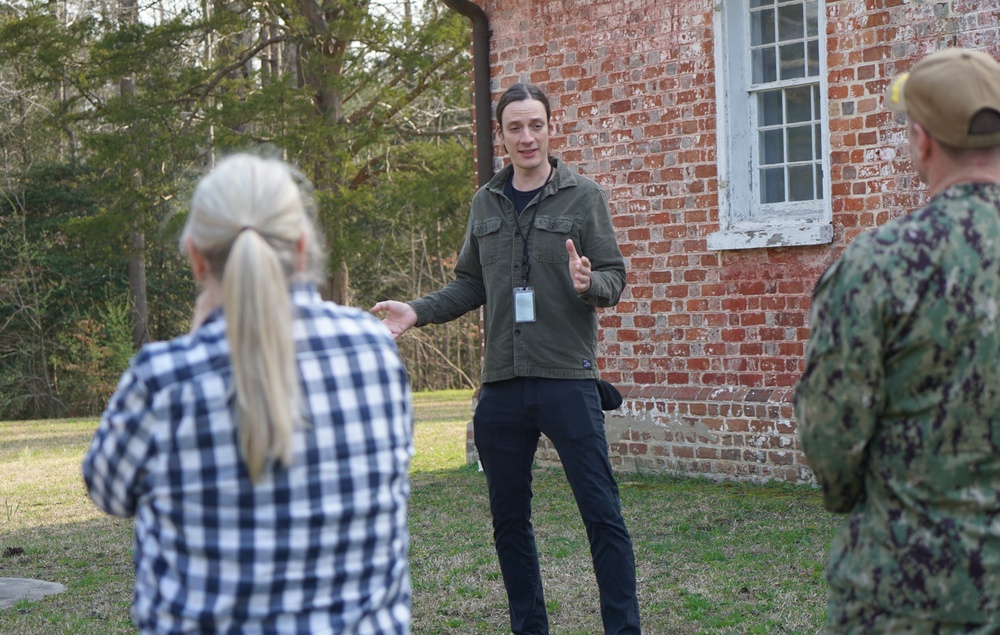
[
  {"x": 137, "y": 285},
  {"x": 339, "y": 283},
  {"x": 137, "y": 238}
]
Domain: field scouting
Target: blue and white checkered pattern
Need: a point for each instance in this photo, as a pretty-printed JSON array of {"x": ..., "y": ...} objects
[{"x": 318, "y": 547}]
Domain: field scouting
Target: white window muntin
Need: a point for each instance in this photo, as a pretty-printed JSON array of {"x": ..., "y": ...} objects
[{"x": 751, "y": 215}]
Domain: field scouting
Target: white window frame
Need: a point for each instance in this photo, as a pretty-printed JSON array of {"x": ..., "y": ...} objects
[{"x": 744, "y": 223}]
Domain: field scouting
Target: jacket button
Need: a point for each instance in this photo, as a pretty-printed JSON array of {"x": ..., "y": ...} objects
[
  {"x": 517, "y": 331},
  {"x": 515, "y": 267}
]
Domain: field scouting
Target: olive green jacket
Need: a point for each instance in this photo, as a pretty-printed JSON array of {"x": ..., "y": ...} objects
[{"x": 562, "y": 342}]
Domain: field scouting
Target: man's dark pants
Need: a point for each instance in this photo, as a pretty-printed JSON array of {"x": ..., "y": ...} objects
[{"x": 508, "y": 420}]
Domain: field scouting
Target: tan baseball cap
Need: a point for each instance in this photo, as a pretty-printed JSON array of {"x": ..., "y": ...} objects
[{"x": 945, "y": 90}]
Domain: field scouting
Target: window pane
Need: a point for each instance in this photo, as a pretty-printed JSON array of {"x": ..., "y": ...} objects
[
  {"x": 793, "y": 62},
  {"x": 781, "y": 42},
  {"x": 800, "y": 147},
  {"x": 790, "y": 20},
  {"x": 800, "y": 183},
  {"x": 764, "y": 66},
  {"x": 812, "y": 19},
  {"x": 769, "y": 108},
  {"x": 772, "y": 148},
  {"x": 772, "y": 185},
  {"x": 798, "y": 102},
  {"x": 813, "y": 62},
  {"x": 762, "y": 27}
]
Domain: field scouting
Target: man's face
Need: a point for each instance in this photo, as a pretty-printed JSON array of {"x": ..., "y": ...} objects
[{"x": 525, "y": 134}]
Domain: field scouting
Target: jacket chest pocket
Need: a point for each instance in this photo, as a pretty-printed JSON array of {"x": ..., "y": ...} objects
[
  {"x": 487, "y": 234},
  {"x": 549, "y": 237}
]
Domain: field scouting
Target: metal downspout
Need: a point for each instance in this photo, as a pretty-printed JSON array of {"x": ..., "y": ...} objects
[{"x": 481, "y": 84}]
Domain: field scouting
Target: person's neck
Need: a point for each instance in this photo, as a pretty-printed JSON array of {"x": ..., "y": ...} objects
[
  {"x": 959, "y": 175},
  {"x": 527, "y": 180}
]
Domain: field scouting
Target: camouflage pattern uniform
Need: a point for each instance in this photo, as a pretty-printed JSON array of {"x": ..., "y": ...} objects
[{"x": 899, "y": 415}]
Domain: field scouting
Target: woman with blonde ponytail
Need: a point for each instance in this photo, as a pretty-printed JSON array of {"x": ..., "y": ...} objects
[{"x": 265, "y": 454}]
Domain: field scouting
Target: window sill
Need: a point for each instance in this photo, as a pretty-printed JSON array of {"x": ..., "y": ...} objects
[{"x": 763, "y": 235}]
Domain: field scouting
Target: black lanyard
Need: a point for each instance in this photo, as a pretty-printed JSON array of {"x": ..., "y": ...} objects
[{"x": 525, "y": 263}]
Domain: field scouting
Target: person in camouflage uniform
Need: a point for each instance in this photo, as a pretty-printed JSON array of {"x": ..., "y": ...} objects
[{"x": 899, "y": 405}]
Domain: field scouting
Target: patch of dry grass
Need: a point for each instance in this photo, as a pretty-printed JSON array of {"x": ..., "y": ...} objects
[
  {"x": 440, "y": 422},
  {"x": 711, "y": 557},
  {"x": 53, "y": 532}
]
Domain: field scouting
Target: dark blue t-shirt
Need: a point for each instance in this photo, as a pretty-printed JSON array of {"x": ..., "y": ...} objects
[{"x": 519, "y": 198}]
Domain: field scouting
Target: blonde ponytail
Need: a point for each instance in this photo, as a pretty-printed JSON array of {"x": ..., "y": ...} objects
[
  {"x": 259, "y": 329},
  {"x": 249, "y": 218}
]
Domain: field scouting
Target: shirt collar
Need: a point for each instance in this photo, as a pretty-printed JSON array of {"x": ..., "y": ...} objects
[{"x": 302, "y": 293}]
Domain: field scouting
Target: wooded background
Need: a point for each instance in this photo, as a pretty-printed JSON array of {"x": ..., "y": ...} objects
[{"x": 110, "y": 111}]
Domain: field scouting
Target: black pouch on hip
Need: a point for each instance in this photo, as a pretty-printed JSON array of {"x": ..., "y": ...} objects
[{"x": 610, "y": 397}]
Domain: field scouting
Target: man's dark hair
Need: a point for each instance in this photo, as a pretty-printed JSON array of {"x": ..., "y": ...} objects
[{"x": 520, "y": 92}]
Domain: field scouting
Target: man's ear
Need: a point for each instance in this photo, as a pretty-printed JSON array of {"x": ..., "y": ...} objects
[
  {"x": 922, "y": 142},
  {"x": 199, "y": 264}
]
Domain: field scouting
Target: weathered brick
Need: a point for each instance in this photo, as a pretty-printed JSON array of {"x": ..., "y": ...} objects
[{"x": 635, "y": 107}]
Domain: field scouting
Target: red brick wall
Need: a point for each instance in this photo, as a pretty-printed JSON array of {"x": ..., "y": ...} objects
[{"x": 708, "y": 345}]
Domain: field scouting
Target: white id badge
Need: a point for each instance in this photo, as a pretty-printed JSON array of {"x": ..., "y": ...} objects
[{"x": 524, "y": 305}]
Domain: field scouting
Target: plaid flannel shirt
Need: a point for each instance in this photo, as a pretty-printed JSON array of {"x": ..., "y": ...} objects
[{"x": 317, "y": 547}]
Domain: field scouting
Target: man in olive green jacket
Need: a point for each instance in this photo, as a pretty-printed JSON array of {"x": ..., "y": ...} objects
[{"x": 540, "y": 255}]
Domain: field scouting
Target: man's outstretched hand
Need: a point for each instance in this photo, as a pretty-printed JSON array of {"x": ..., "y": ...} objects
[
  {"x": 399, "y": 317},
  {"x": 579, "y": 268}
]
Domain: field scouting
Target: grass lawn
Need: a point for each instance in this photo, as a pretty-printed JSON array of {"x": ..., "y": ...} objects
[{"x": 711, "y": 557}]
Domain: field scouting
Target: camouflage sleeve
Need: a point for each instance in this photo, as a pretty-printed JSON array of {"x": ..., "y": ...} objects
[{"x": 840, "y": 394}]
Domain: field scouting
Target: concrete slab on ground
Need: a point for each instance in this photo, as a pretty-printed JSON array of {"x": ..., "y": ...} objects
[{"x": 14, "y": 589}]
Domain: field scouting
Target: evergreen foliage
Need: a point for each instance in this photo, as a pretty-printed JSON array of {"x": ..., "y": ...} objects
[{"x": 110, "y": 112}]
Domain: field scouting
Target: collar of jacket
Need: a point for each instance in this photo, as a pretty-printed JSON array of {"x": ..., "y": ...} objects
[{"x": 562, "y": 177}]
